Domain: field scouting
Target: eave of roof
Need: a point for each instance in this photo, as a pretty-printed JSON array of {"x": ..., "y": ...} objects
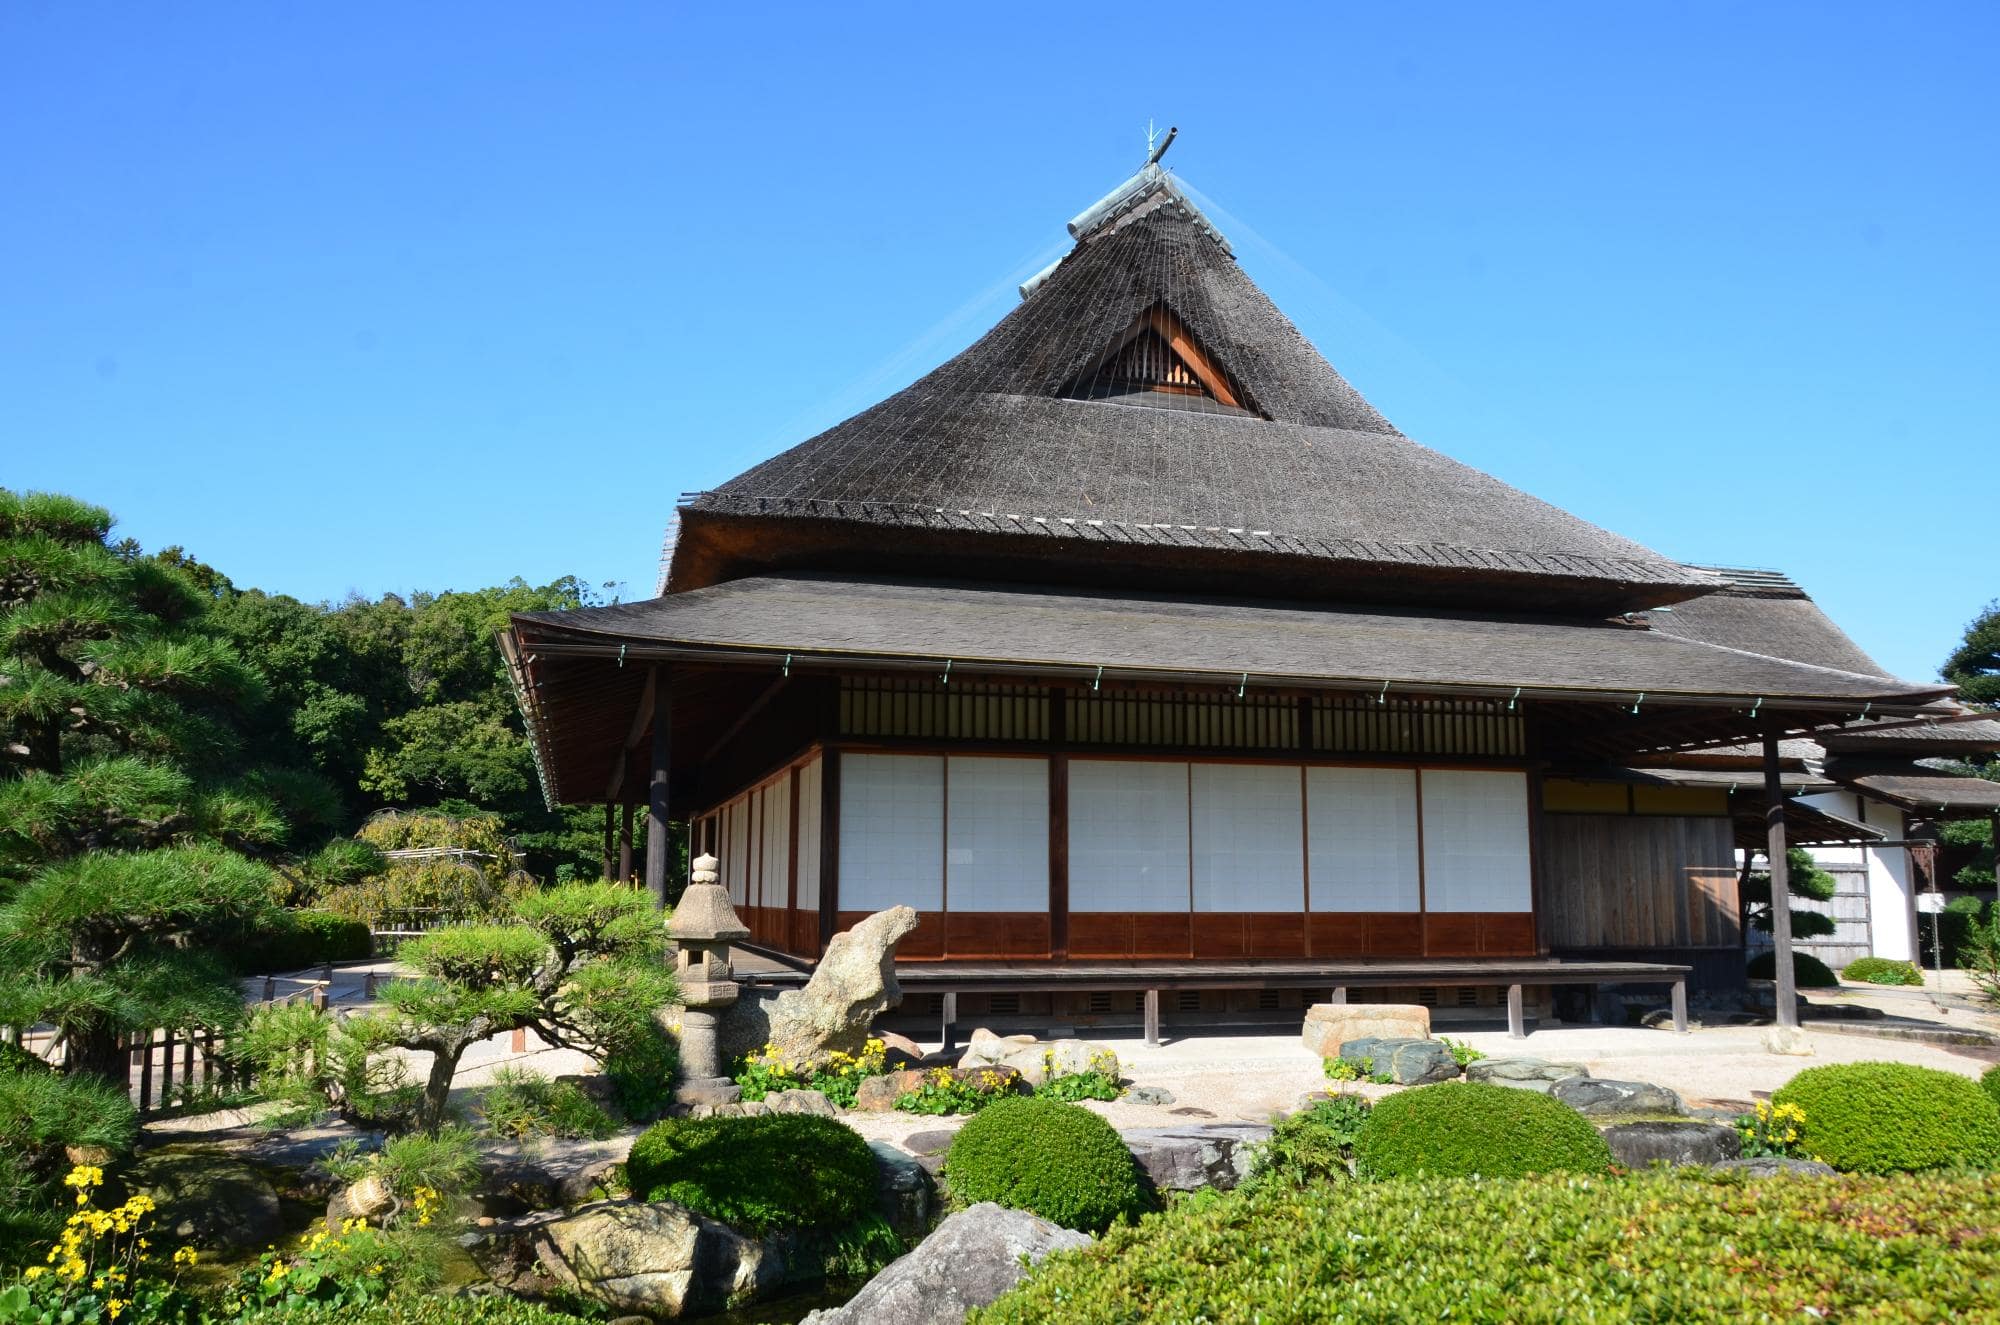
[{"x": 816, "y": 618}]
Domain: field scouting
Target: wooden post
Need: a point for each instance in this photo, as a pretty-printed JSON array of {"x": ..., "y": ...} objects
[
  {"x": 1781, "y": 892},
  {"x": 145, "y": 1069},
  {"x": 625, "y": 843},
  {"x": 1339, "y": 994},
  {"x": 657, "y": 789},
  {"x": 948, "y": 1025},
  {"x": 1680, "y": 1007},
  {"x": 609, "y": 861},
  {"x": 1152, "y": 1016},
  {"x": 1517, "y": 1022}
]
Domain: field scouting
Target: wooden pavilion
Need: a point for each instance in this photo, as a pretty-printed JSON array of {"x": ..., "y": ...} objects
[{"x": 1135, "y": 650}]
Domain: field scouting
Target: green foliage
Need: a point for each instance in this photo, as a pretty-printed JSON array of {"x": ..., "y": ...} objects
[
  {"x": 1979, "y": 958},
  {"x": 1091, "y": 1085},
  {"x": 1652, "y": 1247},
  {"x": 295, "y": 940},
  {"x": 839, "y": 1077},
  {"x": 1804, "y": 878},
  {"x": 1893, "y": 1117},
  {"x": 1354, "y": 1069},
  {"x": 1807, "y": 970},
  {"x": 343, "y": 1272},
  {"x": 757, "y": 1174},
  {"x": 41, "y": 1113},
  {"x": 1057, "y": 1160},
  {"x": 1942, "y": 936},
  {"x": 1772, "y": 1130},
  {"x": 428, "y": 1309},
  {"x": 943, "y": 1091},
  {"x": 1989, "y": 1080},
  {"x": 1460, "y": 1128},
  {"x": 1311, "y": 1147},
  {"x": 521, "y": 1104},
  {"x": 1882, "y": 971},
  {"x": 1974, "y": 666},
  {"x": 1461, "y": 1053}
]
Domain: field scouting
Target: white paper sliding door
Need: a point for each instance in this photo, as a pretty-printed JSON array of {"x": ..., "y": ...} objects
[
  {"x": 736, "y": 858},
  {"x": 1361, "y": 838},
  {"x": 1249, "y": 854},
  {"x": 774, "y": 852},
  {"x": 809, "y": 839},
  {"x": 1476, "y": 841},
  {"x": 891, "y": 832},
  {"x": 1128, "y": 835},
  {"x": 997, "y": 849}
]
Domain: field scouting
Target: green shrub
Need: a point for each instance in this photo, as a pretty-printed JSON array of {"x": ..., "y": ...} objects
[
  {"x": 757, "y": 1174},
  {"x": 1807, "y": 970},
  {"x": 295, "y": 940},
  {"x": 1461, "y": 1128},
  {"x": 1942, "y": 936},
  {"x": 1312, "y": 1146},
  {"x": 764, "y": 1071},
  {"x": 1990, "y": 1079},
  {"x": 1892, "y": 1117},
  {"x": 1461, "y": 1053},
  {"x": 943, "y": 1090},
  {"x": 1882, "y": 971},
  {"x": 426, "y": 1310},
  {"x": 1059, "y": 1161},
  {"x": 1091, "y": 1085},
  {"x": 521, "y": 1104},
  {"x": 1652, "y": 1247}
]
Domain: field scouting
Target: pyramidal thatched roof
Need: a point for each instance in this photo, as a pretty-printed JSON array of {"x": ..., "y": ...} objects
[{"x": 1147, "y": 405}]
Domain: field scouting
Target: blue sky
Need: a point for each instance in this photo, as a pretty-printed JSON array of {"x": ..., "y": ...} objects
[{"x": 371, "y": 297}]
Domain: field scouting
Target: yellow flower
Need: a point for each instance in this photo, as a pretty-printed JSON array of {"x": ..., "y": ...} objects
[
  {"x": 186, "y": 1256},
  {"x": 113, "y": 1306},
  {"x": 34, "y": 1272}
]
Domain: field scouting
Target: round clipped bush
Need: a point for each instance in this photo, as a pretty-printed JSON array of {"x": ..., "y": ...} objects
[
  {"x": 1991, "y": 1080},
  {"x": 1457, "y": 1128},
  {"x": 1808, "y": 971},
  {"x": 757, "y": 1174},
  {"x": 1882, "y": 971},
  {"x": 1893, "y": 1118},
  {"x": 1060, "y": 1161}
]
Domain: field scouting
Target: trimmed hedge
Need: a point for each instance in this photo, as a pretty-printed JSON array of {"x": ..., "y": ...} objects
[
  {"x": 1680, "y": 1246},
  {"x": 1882, "y": 971},
  {"x": 1457, "y": 1129},
  {"x": 1060, "y": 1161},
  {"x": 294, "y": 940},
  {"x": 1990, "y": 1079},
  {"x": 1808, "y": 971},
  {"x": 1892, "y": 1117},
  {"x": 757, "y": 1174}
]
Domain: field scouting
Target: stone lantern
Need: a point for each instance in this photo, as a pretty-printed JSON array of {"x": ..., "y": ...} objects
[{"x": 702, "y": 928}]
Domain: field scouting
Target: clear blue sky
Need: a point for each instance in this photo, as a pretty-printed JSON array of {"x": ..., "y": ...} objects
[{"x": 371, "y": 296}]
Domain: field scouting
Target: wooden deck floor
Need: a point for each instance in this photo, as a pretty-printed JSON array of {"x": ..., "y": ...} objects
[{"x": 760, "y": 967}]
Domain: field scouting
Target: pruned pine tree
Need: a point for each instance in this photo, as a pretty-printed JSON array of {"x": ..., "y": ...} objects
[
  {"x": 128, "y": 845},
  {"x": 1805, "y": 879}
]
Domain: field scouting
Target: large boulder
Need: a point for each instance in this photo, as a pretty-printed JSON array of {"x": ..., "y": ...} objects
[
  {"x": 854, "y": 983},
  {"x": 973, "y": 1257},
  {"x": 1407, "y": 1062},
  {"x": 1611, "y": 1099},
  {"x": 1523, "y": 1073},
  {"x": 1331, "y": 1025},
  {"x": 208, "y": 1197},
  {"x": 903, "y": 1191},
  {"x": 1637, "y": 1145},
  {"x": 1186, "y": 1159},
  {"x": 879, "y": 1094},
  {"x": 651, "y": 1258}
]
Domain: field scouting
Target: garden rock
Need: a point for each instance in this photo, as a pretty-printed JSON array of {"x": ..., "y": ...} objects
[
  {"x": 1637, "y": 1145},
  {"x": 799, "y": 1101},
  {"x": 369, "y": 1199},
  {"x": 1329, "y": 1026},
  {"x": 903, "y": 1191},
  {"x": 1770, "y": 1166},
  {"x": 1609, "y": 1099},
  {"x": 934, "y": 1142},
  {"x": 854, "y": 983},
  {"x": 1523, "y": 1073},
  {"x": 1150, "y": 1095},
  {"x": 209, "y": 1197},
  {"x": 1408, "y": 1062},
  {"x": 1037, "y": 1061},
  {"x": 973, "y": 1257},
  {"x": 879, "y": 1094},
  {"x": 1189, "y": 1158},
  {"x": 900, "y": 1050},
  {"x": 652, "y": 1258}
]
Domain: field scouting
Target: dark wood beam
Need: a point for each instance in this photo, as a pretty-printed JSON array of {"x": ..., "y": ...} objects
[
  {"x": 657, "y": 786},
  {"x": 1781, "y": 893}
]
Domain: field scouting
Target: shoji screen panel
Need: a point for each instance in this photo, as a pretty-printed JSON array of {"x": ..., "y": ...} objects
[
  {"x": 891, "y": 832},
  {"x": 1128, "y": 858},
  {"x": 805, "y": 919},
  {"x": 1248, "y": 846},
  {"x": 997, "y": 842},
  {"x": 774, "y": 856},
  {"x": 736, "y": 849},
  {"x": 1478, "y": 877},
  {"x": 1361, "y": 838}
]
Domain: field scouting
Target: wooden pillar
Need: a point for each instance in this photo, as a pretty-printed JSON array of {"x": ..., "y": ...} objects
[
  {"x": 1152, "y": 1016},
  {"x": 610, "y": 861},
  {"x": 829, "y": 847},
  {"x": 625, "y": 842},
  {"x": 1781, "y": 893},
  {"x": 656, "y": 789},
  {"x": 1517, "y": 1022}
]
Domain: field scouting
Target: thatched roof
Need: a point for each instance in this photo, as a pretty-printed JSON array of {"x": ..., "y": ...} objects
[
  {"x": 1920, "y": 790},
  {"x": 1765, "y": 612},
  {"x": 1033, "y": 435}
]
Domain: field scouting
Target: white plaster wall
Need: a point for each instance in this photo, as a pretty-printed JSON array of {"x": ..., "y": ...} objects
[{"x": 1891, "y": 916}]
